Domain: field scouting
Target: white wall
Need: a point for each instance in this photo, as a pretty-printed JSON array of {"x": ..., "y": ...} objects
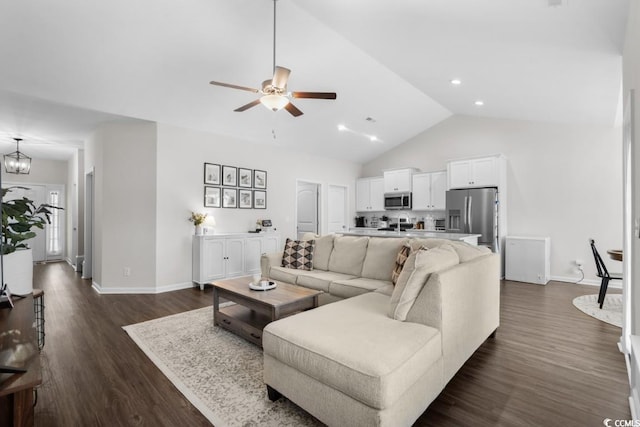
[
  {"x": 180, "y": 190},
  {"x": 43, "y": 171},
  {"x": 563, "y": 181},
  {"x": 123, "y": 157}
]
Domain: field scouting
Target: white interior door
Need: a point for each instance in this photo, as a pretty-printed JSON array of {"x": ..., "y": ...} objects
[
  {"x": 307, "y": 208},
  {"x": 337, "y": 208}
]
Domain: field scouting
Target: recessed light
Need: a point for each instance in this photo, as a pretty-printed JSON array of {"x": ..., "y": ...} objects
[
  {"x": 456, "y": 82},
  {"x": 342, "y": 128},
  {"x": 479, "y": 103},
  {"x": 373, "y": 138}
]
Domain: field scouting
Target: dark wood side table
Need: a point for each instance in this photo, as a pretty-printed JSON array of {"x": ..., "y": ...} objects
[
  {"x": 615, "y": 254},
  {"x": 19, "y": 349}
]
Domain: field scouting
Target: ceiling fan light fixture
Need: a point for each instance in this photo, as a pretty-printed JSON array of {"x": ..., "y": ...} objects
[{"x": 274, "y": 102}]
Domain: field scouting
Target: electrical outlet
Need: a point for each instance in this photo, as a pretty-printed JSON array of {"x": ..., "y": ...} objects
[
  {"x": 126, "y": 272},
  {"x": 579, "y": 263}
]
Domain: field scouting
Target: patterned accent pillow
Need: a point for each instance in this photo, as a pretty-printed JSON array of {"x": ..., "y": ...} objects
[
  {"x": 298, "y": 254},
  {"x": 401, "y": 258}
]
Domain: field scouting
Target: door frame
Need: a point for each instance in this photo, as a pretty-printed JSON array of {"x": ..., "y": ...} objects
[
  {"x": 89, "y": 219},
  {"x": 319, "y": 207}
]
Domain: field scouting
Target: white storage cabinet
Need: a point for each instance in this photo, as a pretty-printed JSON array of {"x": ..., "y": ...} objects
[
  {"x": 229, "y": 255},
  {"x": 527, "y": 259},
  {"x": 370, "y": 194},
  {"x": 429, "y": 191}
]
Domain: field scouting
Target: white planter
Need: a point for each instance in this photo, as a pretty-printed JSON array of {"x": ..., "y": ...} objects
[
  {"x": 199, "y": 230},
  {"x": 18, "y": 271}
]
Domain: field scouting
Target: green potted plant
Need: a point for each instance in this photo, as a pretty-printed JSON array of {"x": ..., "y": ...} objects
[{"x": 19, "y": 217}]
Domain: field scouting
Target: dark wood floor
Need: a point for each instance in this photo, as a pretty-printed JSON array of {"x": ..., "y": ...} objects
[{"x": 549, "y": 364}]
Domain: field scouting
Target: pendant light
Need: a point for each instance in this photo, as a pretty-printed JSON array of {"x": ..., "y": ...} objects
[{"x": 17, "y": 162}]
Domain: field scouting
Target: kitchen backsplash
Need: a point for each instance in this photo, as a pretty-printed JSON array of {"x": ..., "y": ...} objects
[{"x": 414, "y": 216}]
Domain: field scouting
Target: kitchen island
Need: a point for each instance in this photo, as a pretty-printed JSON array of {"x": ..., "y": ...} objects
[{"x": 472, "y": 239}]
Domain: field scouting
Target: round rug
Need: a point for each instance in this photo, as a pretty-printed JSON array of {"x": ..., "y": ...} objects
[{"x": 611, "y": 311}]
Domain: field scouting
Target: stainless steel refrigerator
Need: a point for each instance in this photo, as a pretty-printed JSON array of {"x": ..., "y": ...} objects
[{"x": 474, "y": 211}]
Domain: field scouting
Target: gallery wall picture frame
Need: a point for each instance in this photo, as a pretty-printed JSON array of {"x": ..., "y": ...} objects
[
  {"x": 259, "y": 199},
  {"x": 245, "y": 178},
  {"x": 211, "y": 174},
  {"x": 245, "y": 199},
  {"x": 259, "y": 179},
  {"x": 229, "y": 198},
  {"x": 211, "y": 197},
  {"x": 229, "y": 176}
]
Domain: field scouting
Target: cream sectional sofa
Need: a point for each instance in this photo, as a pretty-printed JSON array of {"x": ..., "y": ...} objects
[{"x": 353, "y": 362}]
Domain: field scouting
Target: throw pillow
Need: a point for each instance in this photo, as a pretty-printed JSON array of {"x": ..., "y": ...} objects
[
  {"x": 419, "y": 269},
  {"x": 401, "y": 258},
  {"x": 298, "y": 254}
]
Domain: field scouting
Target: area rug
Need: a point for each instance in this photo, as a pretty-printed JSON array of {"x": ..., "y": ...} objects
[
  {"x": 218, "y": 372},
  {"x": 611, "y": 311}
]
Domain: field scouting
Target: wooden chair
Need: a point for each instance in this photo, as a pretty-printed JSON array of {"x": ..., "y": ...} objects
[{"x": 603, "y": 273}]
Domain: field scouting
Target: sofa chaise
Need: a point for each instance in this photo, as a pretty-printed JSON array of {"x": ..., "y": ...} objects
[{"x": 377, "y": 354}]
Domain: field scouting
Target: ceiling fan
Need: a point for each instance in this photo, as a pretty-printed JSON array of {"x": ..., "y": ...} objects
[{"x": 274, "y": 92}]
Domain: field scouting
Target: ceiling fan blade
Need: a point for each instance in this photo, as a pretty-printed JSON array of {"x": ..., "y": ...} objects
[
  {"x": 295, "y": 112},
  {"x": 249, "y": 89},
  {"x": 280, "y": 77},
  {"x": 315, "y": 95},
  {"x": 247, "y": 106}
]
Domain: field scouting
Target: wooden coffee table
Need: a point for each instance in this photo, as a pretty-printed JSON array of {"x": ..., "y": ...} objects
[{"x": 255, "y": 309}]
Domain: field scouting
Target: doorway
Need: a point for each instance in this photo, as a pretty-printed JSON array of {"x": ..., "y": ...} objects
[
  {"x": 307, "y": 208},
  {"x": 49, "y": 243},
  {"x": 337, "y": 211}
]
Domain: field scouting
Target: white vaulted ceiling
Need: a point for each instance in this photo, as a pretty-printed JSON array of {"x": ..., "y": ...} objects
[{"x": 71, "y": 64}]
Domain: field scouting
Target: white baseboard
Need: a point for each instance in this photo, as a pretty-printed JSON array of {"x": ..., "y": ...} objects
[
  {"x": 614, "y": 284},
  {"x": 634, "y": 404},
  {"x": 70, "y": 262},
  {"x": 175, "y": 287},
  {"x": 141, "y": 289}
]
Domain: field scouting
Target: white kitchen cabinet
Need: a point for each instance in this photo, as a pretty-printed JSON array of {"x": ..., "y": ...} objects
[
  {"x": 429, "y": 191},
  {"x": 370, "y": 194},
  {"x": 229, "y": 255},
  {"x": 478, "y": 172},
  {"x": 398, "y": 180}
]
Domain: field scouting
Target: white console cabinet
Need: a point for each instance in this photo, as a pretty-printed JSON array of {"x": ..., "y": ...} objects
[{"x": 217, "y": 256}]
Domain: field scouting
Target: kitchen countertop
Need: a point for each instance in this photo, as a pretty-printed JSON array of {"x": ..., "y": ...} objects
[{"x": 409, "y": 233}]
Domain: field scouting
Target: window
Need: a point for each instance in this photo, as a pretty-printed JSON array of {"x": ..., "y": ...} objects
[{"x": 54, "y": 246}]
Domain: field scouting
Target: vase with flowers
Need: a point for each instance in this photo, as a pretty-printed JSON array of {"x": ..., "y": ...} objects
[{"x": 198, "y": 219}]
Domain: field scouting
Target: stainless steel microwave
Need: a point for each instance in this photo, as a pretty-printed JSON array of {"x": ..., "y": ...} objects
[{"x": 397, "y": 201}]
